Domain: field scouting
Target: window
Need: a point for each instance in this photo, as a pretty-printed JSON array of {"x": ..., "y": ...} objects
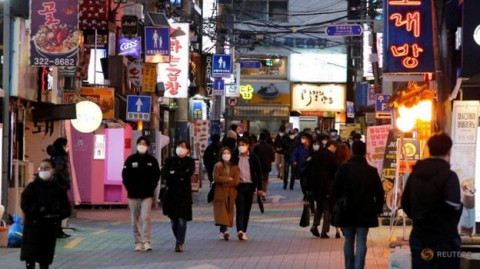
[{"x": 271, "y": 10}]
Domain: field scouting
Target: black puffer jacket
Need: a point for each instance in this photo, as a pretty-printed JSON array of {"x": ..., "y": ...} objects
[
  {"x": 430, "y": 185},
  {"x": 140, "y": 175},
  {"x": 60, "y": 158}
]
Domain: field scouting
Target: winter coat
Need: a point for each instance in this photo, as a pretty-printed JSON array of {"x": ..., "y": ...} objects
[
  {"x": 176, "y": 175},
  {"x": 432, "y": 199},
  {"x": 300, "y": 155},
  {"x": 225, "y": 193},
  {"x": 279, "y": 144},
  {"x": 210, "y": 157},
  {"x": 323, "y": 166},
  {"x": 361, "y": 185},
  {"x": 140, "y": 175},
  {"x": 266, "y": 153},
  {"x": 45, "y": 204},
  {"x": 62, "y": 172},
  {"x": 255, "y": 169},
  {"x": 290, "y": 145}
]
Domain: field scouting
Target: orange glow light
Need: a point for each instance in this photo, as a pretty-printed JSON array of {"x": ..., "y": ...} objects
[
  {"x": 412, "y": 21},
  {"x": 139, "y": 125},
  {"x": 399, "y": 51},
  {"x": 410, "y": 62},
  {"x": 404, "y": 2}
]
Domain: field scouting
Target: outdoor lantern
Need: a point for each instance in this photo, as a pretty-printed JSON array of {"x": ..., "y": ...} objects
[{"x": 89, "y": 117}]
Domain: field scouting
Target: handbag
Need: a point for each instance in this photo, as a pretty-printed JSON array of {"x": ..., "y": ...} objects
[
  {"x": 211, "y": 193},
  {"x": 339, "y": 212},
  {"x": 305, "y": 218}
]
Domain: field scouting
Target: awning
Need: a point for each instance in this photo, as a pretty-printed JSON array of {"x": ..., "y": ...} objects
[{"x": 272, "y": 112}]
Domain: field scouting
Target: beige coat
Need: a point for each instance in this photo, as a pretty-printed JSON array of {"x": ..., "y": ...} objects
[{"x": 225, "y": 193}]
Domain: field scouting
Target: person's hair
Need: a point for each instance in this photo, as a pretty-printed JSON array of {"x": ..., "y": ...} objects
[
  {"x": 359, "y": 148},
  {"x": 252, "y": 139},
  {"x": 262, "y": 137},
  {"x": 331, "y": 142},
  {"x": 323, "y": 137},
  {"x": 357, "y": 136},
  {"x": 439, "y": 144},
  {"x": 307, "y": 136},
  {"x": 233, "y": 127},
  {"x": 184, "y": 142},
  {"x": 59, "y": 145},
  {"x": 50, "y": 161},
  {"x": 233, "y": 160},
  {"x": 281, "y": 128},
  {"x": 215, "y": 138},
  {"x": 244, "y": 140},
  {"x": 343, "y": 153},
  {"x": 144, "y": 138}
]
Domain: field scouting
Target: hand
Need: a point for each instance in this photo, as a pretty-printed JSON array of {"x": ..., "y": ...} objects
[{"x": 260, "y": 193}]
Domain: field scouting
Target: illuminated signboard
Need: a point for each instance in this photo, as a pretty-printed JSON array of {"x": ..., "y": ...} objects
[
  {"x": 408, "y": 39},
  {"x": 312, "y": 97}
]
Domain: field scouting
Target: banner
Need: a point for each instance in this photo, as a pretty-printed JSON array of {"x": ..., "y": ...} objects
[
  {"x": 376, "y": 144},
  {"x": 464, "y": 136},
  {"x": 174, "y": 74},
  {"x": 408, "y": 40},
  {"x": 54, "y": 33},
  {"x": 389, "y": 170}
]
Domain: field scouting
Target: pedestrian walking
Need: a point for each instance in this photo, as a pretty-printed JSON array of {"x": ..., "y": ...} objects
[
  {"x": 140, "y": 177},
  {"x": 358, "y": 185},
  {"x": 210, "y": 157},
  {"x": 231, "y": 137},
  {"x": 176, "y": 176},
  {"x": 58, "y": 152},
  {"x": 226, "y": 176},
  {"x": 250, "y": 180},
  {"x": 319, "y": 182},
  {"x": 44, "y": 203},
  {"x": 432, "y": 200},
  {"x": 279, "y": 146},
  {"x": 289, "y": 142},
  {"x": 343, "y": 154},
  {"x": 299, "y": 160},
  {"x": 266, "y": 153}
]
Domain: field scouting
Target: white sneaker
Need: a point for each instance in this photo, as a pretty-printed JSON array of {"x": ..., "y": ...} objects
[
  {"x": 245, "y": 238},
  {"x": 242, "y": 236},
  {"x": 138, "y": 247},
  {"x": 221, "y": 235},
  {"x": 147, "y": 246}
]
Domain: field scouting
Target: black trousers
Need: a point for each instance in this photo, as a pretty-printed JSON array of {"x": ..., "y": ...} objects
[{"x": 244, "y": 205}]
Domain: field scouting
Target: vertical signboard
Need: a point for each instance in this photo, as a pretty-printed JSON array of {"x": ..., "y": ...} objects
[
  {"x": 175, "y": 73},
  {"x": 464, "y": 136},
  {"x": 376, "y": 144},
  {"x": 157, "y": 44},
  {"x": 408, "y": 40},
  {"x": 389, "y": 170},
  {"x": 54, "y": 33},
  {"x": 149, "y": 77}
]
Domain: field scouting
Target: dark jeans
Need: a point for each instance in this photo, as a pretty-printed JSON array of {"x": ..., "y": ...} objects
[
  {"x": 322, "y": 208},
  {"x": 445, "y": 254},
  {"x": 244, "y": 205},
  {"x": 287, "y": 167},
  {"x": 210, "y": 176},
  {"x": 223, "y": 228},
  {"x": 355, "y": 260},
  {"x": 179, "y": 228}
]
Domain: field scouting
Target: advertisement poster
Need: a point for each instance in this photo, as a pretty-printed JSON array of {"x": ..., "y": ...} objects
[
  {"x": 465, "y": 122},
  {"x": 131, "y": 47},
  {"x": 103, "y": 97},
  {"x": 135, "y": 72},
  {"x": 376, "y": 143},
  {"x": 175, "y": 73},
  {"x": 202, "y": 129},
  {"x": 389, "y": 170},
  {"x": 409, "y": 154},
  {"x": 149, "y": 77},
  {"x": 54, "y": 33}
]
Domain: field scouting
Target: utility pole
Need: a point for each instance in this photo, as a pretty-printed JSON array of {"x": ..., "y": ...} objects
[{"x": 6, "y": 103}]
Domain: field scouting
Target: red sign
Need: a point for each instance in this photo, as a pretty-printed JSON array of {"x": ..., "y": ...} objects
[{"x": 232, "y": 101}]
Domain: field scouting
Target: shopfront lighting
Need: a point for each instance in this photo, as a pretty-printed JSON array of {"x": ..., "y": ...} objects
[
  {"x": 409, "y": 115},
  {"x": 89, "y": 117},
  {"x": 405, "y": 124},
  {"x": 424, "y": 110}
]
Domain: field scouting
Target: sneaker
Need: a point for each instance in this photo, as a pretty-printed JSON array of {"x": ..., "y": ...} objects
[
  {"x": 179, "y": 247},
  {"x": 147, "y": 246},
  {"x": 221, "y": 235},
  {"x": 240, "y": 235},
  {"x": 226, "y": 235},
  {"x": 245, "y": 238},
  {"x": 138, "y": 247},
  {"x": 324, "y": 235},
  {"x": 314, "y": 231}
]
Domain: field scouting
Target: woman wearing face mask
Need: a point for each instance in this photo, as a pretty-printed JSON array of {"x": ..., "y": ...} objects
[
  {"x": 45, "y": 204},
  {"x": 226, "y": 176},
  {"x": 176, "y": 176},
  {"x": 140, "y": 176}
]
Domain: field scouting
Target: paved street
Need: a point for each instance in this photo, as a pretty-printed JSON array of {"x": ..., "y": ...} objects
[{"x": 104, "y": 240}]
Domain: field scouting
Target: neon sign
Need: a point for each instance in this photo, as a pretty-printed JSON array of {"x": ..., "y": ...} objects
[
  {"x": 408, "y": 42},
  {"x": 246, "y": 91}
]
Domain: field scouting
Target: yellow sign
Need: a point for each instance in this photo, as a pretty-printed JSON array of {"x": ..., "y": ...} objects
[
  {"x": 246, "y": 91},
  {"x": 103, "y": 97},
  {"x": 149, "y": 77}
]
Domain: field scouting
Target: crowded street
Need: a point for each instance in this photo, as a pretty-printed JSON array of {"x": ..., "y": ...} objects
[{"x": 103, "y": 240}]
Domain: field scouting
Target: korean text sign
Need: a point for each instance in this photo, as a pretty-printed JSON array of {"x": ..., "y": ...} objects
[
  {"x": 157, "y": 44},
  {"x": 409, "y": 39},
  {"x": 175, "y": 73},
  {"x": 54, "y": 33}
]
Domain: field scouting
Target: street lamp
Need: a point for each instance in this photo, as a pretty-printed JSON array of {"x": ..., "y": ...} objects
[{"x": 89, "y": 117}]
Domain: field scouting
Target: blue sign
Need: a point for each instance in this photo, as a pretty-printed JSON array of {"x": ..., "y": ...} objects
[
  {"x": 129, "y": 46},
  {"x": 157, "y": 44},
  {"x": 408, "y": 37},
  {"x": 222, "y": 65},
  {"x": 361, "y": 93},
  {"x": 251, "y": 65},
  {"x": 197, "y": 110},
  {"x": 218, "y": 86},
  {"x": 350, "y": 110},
  {"x": 138, "y": 107},
  {"x": 381, "y": 103},
  {"x": 344, "y": 30}
]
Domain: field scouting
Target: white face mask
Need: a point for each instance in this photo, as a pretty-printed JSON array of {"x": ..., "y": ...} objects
[
  {"x": 242, "y": 149},
  {"x": 303, "y": 141},
  {"x": 281, "y": 134},
  {"x": 291, "y": 136},
  {"x": 316, "y": 147},
  {"x": 324, "y": 142},
  {"x": 226, "y": 157},
  {"x": 180, "y": 151},
  {"x": 45, "y": 174},
  {"x": 141, "y": 149}
]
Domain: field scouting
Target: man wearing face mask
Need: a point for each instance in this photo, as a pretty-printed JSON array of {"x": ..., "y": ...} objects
[
  {"x": 279, "y": 146},
  {"x": 299, "y": 160},
  {"x": 140, "y": 176},
  {"x": 250, "y": 180},
  {"x": 290, "y": 142}
]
